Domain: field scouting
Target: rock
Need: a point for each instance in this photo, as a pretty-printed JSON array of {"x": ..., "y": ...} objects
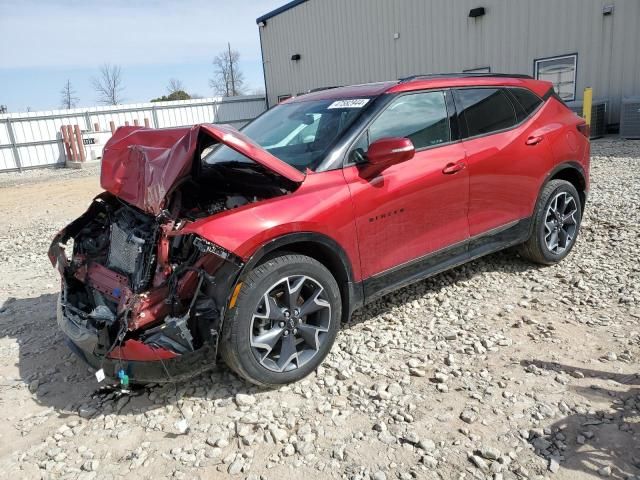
[
  {"x": 554, "y": 466},
  {"x": 243, "y": 400},
  {"x": 479, "y": 463},
  {"x": 379, "y": 475},
  {"x": 395, "y": 389},
  {"x": 489, "y": 453},
  {"x": 386, "y": 438},
  {"x": 86, "y": 411},
  {"x": 440, "y": 377},
  {"x": 90, "y": 466},
  {"x": 279, "y": 434},
  {"x": 605, "y": 471},
  {"x": 541, "y": 443},
  {"x": 338, "y": 452},
  {"x": 236, "y": 466},
  {"x": 427, "y": 444},
  {"x": 288, "y": 450},
  {"x": 468, "y": 416},
  {"x": 428, "y": 461}
]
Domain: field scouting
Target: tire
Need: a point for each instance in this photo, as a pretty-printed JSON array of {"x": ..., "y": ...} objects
[
  {"x": 539, "y": 247},
  {"x": 272, "y": 362}
]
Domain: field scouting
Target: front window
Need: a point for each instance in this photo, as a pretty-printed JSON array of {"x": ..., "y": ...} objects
[
  {"x": 298, "y": 133},
  {"x": 561, "y": 71},
  {"x": 420, "y": 117}
]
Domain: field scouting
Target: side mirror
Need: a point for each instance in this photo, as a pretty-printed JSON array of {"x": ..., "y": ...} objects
[{"x": 389, "y": 151}]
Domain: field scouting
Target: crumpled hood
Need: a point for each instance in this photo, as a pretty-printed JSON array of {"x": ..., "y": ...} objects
[{"x": 141, "y": 165}]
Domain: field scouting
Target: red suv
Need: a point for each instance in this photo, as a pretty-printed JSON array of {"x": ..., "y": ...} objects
[{"x": 254, "y": 246}]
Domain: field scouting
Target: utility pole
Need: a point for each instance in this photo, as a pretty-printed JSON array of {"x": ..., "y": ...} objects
[{"x": 233, "y": 80}]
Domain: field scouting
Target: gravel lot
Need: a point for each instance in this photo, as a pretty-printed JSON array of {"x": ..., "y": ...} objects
[{"x": 497, "y": 369}]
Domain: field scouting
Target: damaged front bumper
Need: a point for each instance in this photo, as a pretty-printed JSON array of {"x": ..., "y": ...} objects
[
  {"x": 142, "y": 300},
  {"x": 142, "y": 363}
]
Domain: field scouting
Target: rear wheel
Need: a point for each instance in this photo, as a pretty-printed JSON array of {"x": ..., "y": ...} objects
[
  {"x": 285, "y": 320},
  {"x": 556, "y": 223}
]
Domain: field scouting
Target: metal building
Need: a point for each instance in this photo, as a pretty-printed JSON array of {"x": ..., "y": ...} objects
[{"x": 309, "y": 44}]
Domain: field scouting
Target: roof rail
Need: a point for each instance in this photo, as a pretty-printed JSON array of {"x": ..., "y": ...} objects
[
  {"x": 463, "y": 75},
  {"x": 323, "y": 88}
]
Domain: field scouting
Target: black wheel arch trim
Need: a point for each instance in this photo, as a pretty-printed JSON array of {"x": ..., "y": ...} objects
[
  {"x": 551, "y": 175},
  {"x": 564, "y": 166},
  {"x": 570, "y": 165},
  {"x": 353, "y": 289}
]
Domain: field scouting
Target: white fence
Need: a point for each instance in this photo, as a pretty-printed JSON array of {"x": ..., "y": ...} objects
[{"x": 33, "y": 139}]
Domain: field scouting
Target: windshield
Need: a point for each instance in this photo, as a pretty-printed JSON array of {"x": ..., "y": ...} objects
[{"x": 296, "y": 133}]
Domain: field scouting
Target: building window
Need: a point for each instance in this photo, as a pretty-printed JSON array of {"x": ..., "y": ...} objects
[
  {"x": 561, "y": 71},
  {"x": 478, "y": 70},
  {"x": 282, "y": 98}
]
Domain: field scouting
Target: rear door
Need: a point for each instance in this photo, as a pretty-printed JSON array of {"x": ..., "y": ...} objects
[
  {"x": 506, "y": 155},
  {"x": 417, "y": 207}
]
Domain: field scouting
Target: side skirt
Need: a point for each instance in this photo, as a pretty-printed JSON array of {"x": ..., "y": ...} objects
[{"x": 450, "y": 257}]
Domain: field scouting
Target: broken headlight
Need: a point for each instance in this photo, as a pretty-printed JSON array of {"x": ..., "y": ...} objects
[{"x": 205, "y": 246}]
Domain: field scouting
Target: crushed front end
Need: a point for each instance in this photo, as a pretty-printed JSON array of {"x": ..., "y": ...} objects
[
  {"x": 138, "y": 296},
  {"x": 141, "y": 295}
]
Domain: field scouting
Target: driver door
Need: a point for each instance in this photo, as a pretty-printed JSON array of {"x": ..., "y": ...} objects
[{"x": 413, "y": 209}]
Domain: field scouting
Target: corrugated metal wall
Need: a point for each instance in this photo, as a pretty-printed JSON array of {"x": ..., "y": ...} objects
[
  {"x": 33, "y": 139},
  {"x": 344, "y": 42}
]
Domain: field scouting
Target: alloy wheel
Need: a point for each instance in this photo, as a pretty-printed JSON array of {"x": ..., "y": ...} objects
[
  {"x": 290, "y": 323},
  {"x": 560, "y": 223}
]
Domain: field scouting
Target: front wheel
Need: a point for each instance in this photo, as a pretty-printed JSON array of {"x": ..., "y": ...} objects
[
  {"x": 556, "y": 224},
  {"x": 285, "y": 321}
]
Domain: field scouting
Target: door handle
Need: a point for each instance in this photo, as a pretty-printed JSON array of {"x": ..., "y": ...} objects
[
  {"x": 452, "y": 168},
  {"x": 534, "y": 139}
]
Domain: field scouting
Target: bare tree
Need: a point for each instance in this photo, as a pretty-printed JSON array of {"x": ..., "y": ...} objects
[
  {"x": 109, "y": 85},
  {"x": 68, "y": 99},
  {"x": 228, "y": 80},
  {"x": 175, "y": 85}
]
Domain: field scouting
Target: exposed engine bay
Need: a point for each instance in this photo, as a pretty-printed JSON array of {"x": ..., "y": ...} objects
[{"x": 136, "y": 287}]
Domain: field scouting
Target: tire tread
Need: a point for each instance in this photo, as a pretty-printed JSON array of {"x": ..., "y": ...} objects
[
  {"x": 229, "y": 339},
  {"x": 532, "y": 249}
]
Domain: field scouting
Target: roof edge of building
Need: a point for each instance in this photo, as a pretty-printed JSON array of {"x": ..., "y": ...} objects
[{"x": 279, "y": 10}]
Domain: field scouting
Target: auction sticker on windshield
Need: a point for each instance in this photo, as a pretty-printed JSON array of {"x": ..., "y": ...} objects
[{"x": 353, "y": 103}]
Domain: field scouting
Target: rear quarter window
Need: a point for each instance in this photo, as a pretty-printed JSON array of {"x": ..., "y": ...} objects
[
  {"x": 526, "y": 99},
  {"x": 485, "y": 110}
]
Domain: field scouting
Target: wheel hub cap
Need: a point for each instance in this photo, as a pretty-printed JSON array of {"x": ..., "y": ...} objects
[
  {"x": 560, "y": 223},
  {"x": 290, "y": 323}
]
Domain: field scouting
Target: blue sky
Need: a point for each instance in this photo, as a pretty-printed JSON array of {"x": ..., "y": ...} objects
[{"x": 45, "y": 42}]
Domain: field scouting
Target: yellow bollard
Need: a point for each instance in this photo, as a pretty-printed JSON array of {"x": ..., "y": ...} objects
[{"x": 587, "y": 101}]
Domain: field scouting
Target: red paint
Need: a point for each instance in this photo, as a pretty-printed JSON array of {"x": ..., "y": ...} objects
[
  {"x": 440, "y": 197},
  {"x": 382, "y": 214},
  {"x": 409, "y": 209},
  {"x": 163, "y": 269},
  {"x": 141, "y": 165},
  {"x": 539, "y": 87},
  {"x": 108, "y": 282},
  {"x": 134, "y": 350},
  {"x": 322, "y": 204},
  {"x": 150, "y": 307}
]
